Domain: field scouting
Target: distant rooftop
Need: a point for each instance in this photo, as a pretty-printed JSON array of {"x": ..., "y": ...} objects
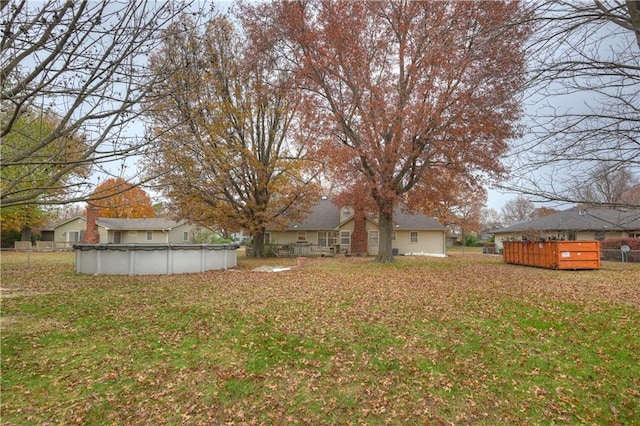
[
  {"x": 575, "y": 219},
  {"x": 143, "y": 224},
  {"x": 325, "y": 216}
]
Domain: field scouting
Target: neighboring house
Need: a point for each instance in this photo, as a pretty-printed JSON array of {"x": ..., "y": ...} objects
[
  {"x": 575, "y": 224},
  {"x": 126, "y": 231},
  {"x": 329, "y": 228}
]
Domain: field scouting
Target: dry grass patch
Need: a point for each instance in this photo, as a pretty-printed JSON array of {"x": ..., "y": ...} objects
[{"x": 467, "y": 339}]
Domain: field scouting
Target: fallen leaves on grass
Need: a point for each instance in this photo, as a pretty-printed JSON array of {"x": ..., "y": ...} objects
[{"x": 466, "y": 339}]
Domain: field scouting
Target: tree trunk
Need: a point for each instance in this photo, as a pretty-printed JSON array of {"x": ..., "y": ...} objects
[
  {"x": 385, "y": 226},
  {"x": 258, "y": 244},
  {"x": 633, "y": 7},
  {"x": 26, "y": 233}
]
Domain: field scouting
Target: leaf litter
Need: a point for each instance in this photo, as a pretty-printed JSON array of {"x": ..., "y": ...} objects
[{"x": 443, "y": 341}]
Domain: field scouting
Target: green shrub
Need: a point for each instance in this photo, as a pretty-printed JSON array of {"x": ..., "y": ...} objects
[{"x": 471, "y": 240}]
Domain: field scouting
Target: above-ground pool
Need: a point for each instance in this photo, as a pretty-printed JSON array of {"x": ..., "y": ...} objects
[{"x": 153, "y": 259}]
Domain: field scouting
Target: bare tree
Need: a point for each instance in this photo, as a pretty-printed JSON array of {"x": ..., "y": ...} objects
[
  {"x": 585, "y": 103},
  {"x": 490, "y": 219},
  {"x": 608, "y": 186},
  {"x": 517, "y": 210},
  {"x": 84, "y": 63}
]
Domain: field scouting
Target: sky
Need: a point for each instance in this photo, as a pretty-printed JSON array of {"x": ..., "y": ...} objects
[{"x": 496, "y": 198}]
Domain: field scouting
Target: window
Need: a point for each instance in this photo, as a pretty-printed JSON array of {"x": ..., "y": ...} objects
[
  {"x": 133, "y": 233},
  {"x": 327, "y": 238},
  {"x": 302, "y": 236},
  {"x": 333, "y": 238},
  {"x": 572, "y": 236},
  {"x": 394, "y": 235},
  {"x": 345, "y": 238},
  {"x": 74, "y": 236},
  {"x": 346, "y": 212},
  {"x": 373, "y": 238},
  {"x": 599, "y": 235},
  {"x": 267, "y": 237},
  {"x": 149, "y": 235},
  {"x": 413, "y": 236},
  {"x": 185, "y": 236},
  {"x": 634, "y": 234}
]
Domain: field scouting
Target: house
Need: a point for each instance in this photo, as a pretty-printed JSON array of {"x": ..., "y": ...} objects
[
  {"x": 575, "y": 224},
  {"x": 125, "y": 231},
  {"x": 330, "y": 228}
]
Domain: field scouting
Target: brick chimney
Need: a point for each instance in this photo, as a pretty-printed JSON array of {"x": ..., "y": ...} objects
[
  {"x": 91, "y": 235},
  {"x": 359, "y": 234}
]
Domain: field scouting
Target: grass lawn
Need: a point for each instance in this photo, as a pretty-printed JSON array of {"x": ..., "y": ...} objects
[{"x": 466, "y": 339}]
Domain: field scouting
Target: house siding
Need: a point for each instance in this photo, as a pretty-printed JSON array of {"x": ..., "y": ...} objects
[
  {"x": 432, "y": 242},
  {"x": 327, "y": 217},
  {"x": 175, "y": 235},
  {"x": 288, "y": 237},
  {"x": 104, "y": 234},
  {"x": 134, "y": 237},
  {"x": 107, "y": 233},
  {"x": 62, "y": 234}
]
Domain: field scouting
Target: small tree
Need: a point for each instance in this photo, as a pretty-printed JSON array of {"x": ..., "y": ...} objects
[
  {"x": 117, "y": 198},
  {"x": 518, "y": 209},
  {"x": 490, "y": 219},
  {"x": 543, "y": 211},
  {"x": 471, "y": 240}
]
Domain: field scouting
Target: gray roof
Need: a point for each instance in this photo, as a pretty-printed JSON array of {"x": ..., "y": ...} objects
[
  {"x": 577, "y": 219},
  {"x": 144, "y": 224},
  {"x": 414, "y": 221},
  {"x": 325, "y": 216}
]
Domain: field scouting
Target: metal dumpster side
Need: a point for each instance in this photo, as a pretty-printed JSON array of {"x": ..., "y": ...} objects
[{"x": 553, "y": 254}]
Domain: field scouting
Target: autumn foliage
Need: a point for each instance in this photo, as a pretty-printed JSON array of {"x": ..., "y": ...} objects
[
  {"x": 117, "y": 198},
  {"x": 230, "y": 132},
  {"x": 412, "y": 96}
]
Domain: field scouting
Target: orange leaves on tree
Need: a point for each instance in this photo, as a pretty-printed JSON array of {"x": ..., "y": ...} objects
[
  {"x": 407, "y": 91},
  {"x": 118, "y": 198},
  {"x": 230, "y": 151}
]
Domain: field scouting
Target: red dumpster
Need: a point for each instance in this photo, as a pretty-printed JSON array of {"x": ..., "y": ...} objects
[{"x": 553, "y": 254}]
